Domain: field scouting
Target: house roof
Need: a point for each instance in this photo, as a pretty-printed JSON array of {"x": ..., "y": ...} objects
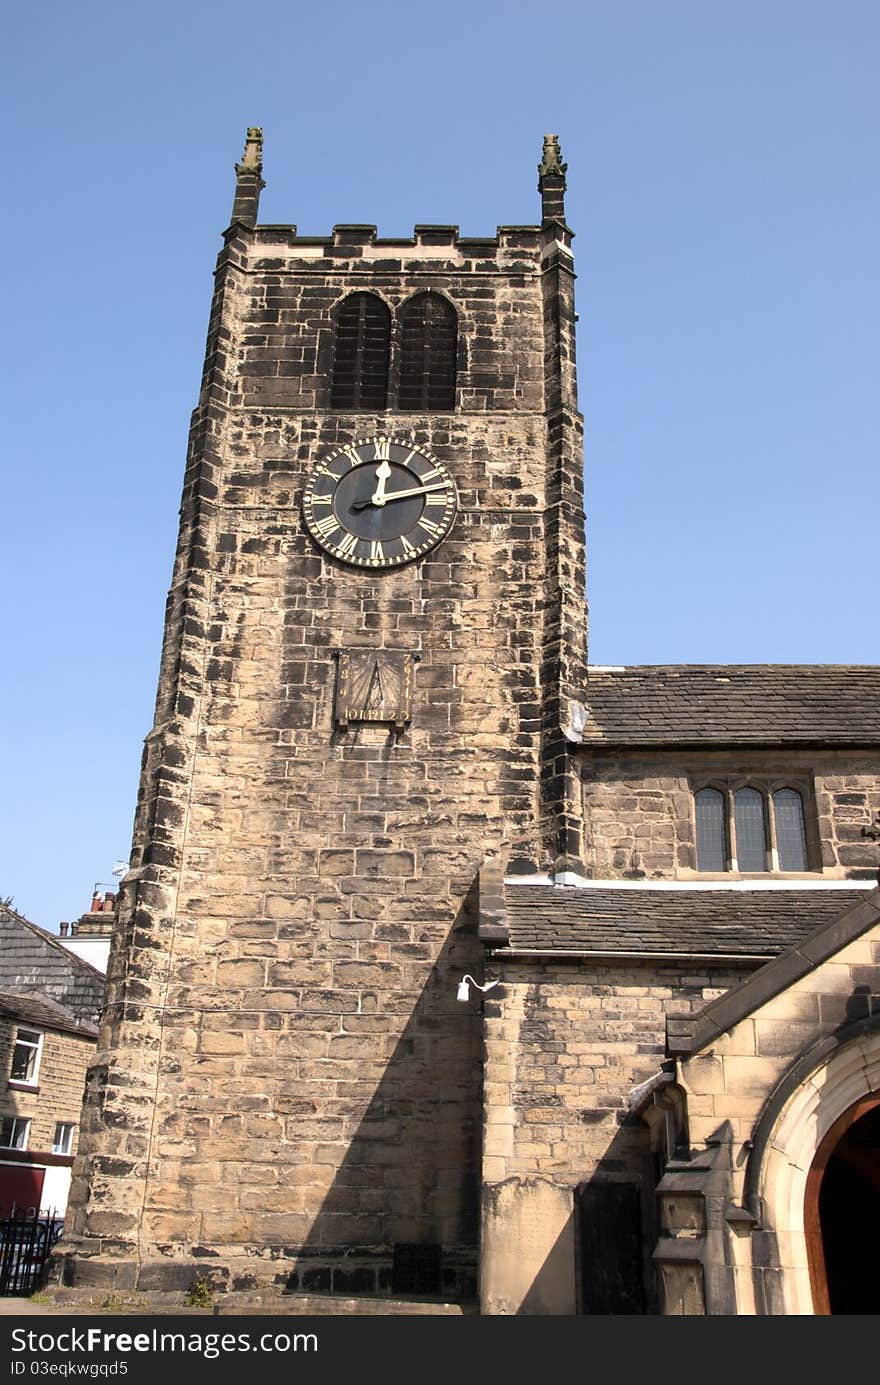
[
  {"x": 738, "y": 704},
  {"x": 34, "y": 961},
  {"x": 680, "y": 922},
  {"x": 42, "y": 1010},
  {"x": 50, "y": 939}
]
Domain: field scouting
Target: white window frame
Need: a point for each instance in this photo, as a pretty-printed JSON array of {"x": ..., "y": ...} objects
[
  {"x": 64, "y": 1145},
  {"x": 36, "y": 1047},
  {"x": 21, "y": 1129}
]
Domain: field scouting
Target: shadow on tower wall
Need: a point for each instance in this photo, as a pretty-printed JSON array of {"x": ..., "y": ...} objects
[{"x": 402, "y": 1212}]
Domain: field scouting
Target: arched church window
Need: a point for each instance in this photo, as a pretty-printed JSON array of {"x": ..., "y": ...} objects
[
  {"x": 791, "y": 837},
  {"x": 361, "y": 353},
  {"x": 428, "y": 346},
  {"x": 711, "y": 833},
  {"x": 751, "y": 832},
  {"x": 754, "y": 828}
]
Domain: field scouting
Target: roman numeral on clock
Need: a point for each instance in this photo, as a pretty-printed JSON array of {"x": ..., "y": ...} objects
[
  {"x": 326, "y": 526},
  {"x": 429, "y": 527},
  {"x": 347, "y": 545}
]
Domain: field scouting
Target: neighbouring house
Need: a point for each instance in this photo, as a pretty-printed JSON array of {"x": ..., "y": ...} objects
[
  {"x": 89, "y": 935},
  {"x": 50, "y": 1000}
]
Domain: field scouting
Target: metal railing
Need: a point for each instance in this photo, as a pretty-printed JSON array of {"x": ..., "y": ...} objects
[{"x": 26, "y": 1238}]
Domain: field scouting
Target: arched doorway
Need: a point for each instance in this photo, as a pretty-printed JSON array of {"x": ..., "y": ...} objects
[
  {"x": 815, "y": 1100},
  {"x": 842, "y": 1213}
]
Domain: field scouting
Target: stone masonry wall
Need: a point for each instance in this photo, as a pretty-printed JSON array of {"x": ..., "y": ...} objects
[
  {"x": 285, "y": 1079},
  {"x": 773, "y": 1085},
  {"x": 285, "y": 346},
  {"x": 565, "y": 1044},
  {"x": 732, "y": 1078},
  {"x": 642, "y": 802}
]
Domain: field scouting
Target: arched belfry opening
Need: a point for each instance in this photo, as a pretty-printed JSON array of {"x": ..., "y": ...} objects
[{"x": 842, "y": 1213}]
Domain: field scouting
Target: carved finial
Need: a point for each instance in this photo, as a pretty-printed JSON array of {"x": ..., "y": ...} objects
[
  {"x": 551, "y": 181},
  {"x": 252, "y": 160},
  {"x": 248, "y": 181},
  {"x": 552, "y": 160}
]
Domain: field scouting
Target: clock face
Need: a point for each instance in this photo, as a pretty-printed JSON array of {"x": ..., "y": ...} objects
[{"x": 379, "y": 502}]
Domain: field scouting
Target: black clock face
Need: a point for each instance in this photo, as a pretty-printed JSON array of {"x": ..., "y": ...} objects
[{"x": 379, "y": 502}]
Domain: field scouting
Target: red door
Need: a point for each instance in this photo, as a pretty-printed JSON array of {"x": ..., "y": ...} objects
[{"x": 21, "y": 1185}]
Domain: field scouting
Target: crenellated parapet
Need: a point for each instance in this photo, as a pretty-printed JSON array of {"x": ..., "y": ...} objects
[{"x": 281, "y": 248}]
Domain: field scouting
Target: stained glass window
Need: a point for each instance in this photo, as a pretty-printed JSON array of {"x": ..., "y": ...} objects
[
  {"x": 711, "y": 835},
  {"x": 791, "y": 838},
  {"x": 751, "y": 835}
]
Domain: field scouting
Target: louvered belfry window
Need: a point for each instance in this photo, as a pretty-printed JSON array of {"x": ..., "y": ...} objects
[
  {"x": 428, "y": 344},
  {"x": 361, "y": 351}
]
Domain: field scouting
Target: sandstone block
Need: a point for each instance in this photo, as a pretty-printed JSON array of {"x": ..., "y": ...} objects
[
  {"x": 284, "y": 907},
  {"x": 240, "y": 973}
]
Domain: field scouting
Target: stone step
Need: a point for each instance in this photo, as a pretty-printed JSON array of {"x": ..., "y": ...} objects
[
  {"x": 239, "y": 1304},
  {"x": 320, "y": 1305}
]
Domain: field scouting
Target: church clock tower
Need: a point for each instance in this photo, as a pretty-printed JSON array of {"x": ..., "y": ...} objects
[{"x": 374, "y": 648}]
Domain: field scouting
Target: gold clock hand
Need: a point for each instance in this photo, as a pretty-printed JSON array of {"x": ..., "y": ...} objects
[
  {"x": 383, "y": 471},
  {"x": 377, "y": 499}
]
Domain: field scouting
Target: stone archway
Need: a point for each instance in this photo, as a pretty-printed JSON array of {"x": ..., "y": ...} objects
[
  {"x": 811, "y": 1119},
  {"x": 842, "y": 1212}
]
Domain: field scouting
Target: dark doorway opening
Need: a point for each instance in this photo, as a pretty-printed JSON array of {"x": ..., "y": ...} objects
[
  {"x": 611, "y": 1248},
  {"x": 843, "y": 1207}
]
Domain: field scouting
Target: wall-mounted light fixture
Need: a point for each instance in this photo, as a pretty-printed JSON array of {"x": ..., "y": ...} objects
[{"x": 464, "y": 993}]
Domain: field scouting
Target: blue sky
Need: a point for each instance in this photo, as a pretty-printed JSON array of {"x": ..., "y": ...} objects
[{"x": 722, "y": 185}]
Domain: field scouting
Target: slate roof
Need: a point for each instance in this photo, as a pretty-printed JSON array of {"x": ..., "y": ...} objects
[
  {"x": 32, "y": 960},
  {"x": 558, "y": 918},
  {"x": 44, "y": 1012},
  {"x": 690, "y": 1033},
  {"x": 739, "y": 704}
]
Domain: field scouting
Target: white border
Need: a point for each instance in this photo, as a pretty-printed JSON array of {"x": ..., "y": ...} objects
[{"x": 569, "y": 880}]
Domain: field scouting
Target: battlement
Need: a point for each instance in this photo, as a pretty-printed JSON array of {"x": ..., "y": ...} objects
[
  {"x": 436, "y": 243},
  {"x": 510, "y": 246}
]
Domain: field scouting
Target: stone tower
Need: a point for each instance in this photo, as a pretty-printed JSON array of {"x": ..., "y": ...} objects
[{"x": 362, "y": 700}]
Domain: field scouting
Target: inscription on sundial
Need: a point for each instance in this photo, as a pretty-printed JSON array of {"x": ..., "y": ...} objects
[{"x": 374, "y": 685}]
